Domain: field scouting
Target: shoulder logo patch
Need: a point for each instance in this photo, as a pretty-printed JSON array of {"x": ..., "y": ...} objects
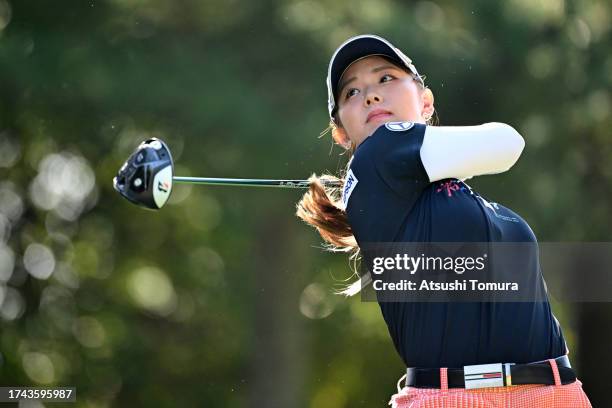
[
  {"x": 349, "y": 185},
  {"x": 399, "y": 126}
]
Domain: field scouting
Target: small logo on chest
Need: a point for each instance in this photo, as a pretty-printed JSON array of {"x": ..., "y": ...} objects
[
  {"x": 450, "y": 186},
  {"x": 399, "y": 126}
]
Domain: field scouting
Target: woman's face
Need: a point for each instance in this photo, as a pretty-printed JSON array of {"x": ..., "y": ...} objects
[{"x": 374, "y": 91}]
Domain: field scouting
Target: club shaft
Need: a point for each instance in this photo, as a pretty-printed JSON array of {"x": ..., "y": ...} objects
[{"x": 252, "y": 182}]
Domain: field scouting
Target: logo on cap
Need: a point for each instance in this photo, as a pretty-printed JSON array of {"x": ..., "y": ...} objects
[{"x": 399, "y": 126}]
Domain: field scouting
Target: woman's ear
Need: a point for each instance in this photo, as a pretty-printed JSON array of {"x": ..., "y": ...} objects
[
  {"x": 428, "y": 104},
  {"x": 340, "y": 137}
]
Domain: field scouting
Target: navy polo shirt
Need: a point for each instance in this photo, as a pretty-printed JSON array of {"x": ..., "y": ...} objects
[{"x": 389, "y": 198}]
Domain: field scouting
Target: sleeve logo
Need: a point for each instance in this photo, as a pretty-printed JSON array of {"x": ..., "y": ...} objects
[
  {"x": 399, "y": 126},
  {"x": 349, "y": 185}
]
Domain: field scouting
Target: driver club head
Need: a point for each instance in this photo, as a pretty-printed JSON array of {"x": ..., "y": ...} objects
[{"x": 146, "y": 177}]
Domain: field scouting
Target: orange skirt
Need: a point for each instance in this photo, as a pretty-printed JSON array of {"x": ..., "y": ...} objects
[{"x": 527, "y": 396}]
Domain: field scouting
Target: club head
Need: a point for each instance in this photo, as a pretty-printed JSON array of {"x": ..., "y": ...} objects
[{"x": 146, "y": 177}]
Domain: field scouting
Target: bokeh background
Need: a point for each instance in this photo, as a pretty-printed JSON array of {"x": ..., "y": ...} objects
[{"x": 224, "y": 298}]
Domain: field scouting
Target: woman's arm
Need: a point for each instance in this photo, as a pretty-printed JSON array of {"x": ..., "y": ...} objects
[{"x": 463, "y": 152}]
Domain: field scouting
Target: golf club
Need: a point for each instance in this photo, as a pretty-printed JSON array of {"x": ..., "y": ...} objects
[{"x": 147, "y": 176}]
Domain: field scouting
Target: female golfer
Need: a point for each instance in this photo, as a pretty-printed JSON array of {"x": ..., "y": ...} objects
[{"x": 405, "y": 183}]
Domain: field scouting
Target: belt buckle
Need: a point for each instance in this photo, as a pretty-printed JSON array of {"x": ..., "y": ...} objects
[{"x": 484, "y": 375}]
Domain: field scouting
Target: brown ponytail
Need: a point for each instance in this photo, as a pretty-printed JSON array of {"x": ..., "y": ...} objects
[{"x": 321, "y": 208}]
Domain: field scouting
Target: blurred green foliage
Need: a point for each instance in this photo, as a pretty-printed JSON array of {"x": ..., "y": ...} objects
[{"x": 223, "y": 298}]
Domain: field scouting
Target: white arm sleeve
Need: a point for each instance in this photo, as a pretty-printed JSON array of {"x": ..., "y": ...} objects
[{"x": 463, "y": 152}]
